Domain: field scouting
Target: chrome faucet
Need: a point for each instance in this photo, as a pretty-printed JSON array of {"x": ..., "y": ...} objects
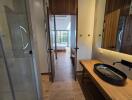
[{"x": 116, "y": 62}]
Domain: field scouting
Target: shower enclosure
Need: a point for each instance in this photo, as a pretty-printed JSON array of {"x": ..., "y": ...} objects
[{"x": 17, "y": 71}]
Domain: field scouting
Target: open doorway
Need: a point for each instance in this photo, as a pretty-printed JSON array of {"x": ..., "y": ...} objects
[
  {"x": 63, "y": 32},
  {"x": 62, "y": 48},
  {"x": 63, "y": 58},
  {"x": 63, "y": 41}
]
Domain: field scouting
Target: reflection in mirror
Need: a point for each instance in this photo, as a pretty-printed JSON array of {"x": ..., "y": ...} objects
[{"x": 117, "y": 33}]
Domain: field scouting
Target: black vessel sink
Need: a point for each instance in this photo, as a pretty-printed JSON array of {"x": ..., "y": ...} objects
[{"x": 110, "y": 74}]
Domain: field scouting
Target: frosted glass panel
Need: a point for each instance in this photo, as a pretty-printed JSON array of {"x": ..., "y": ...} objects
[
  {"x": 15, "y": 34},
  {"x": 5, "y": 90}
]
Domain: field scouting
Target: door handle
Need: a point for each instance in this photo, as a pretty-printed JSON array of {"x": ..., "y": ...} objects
[
  {"x": 28, "y": 52},
  {"x": 76, "y": 48},
  {"x": 50, "y": 49}
]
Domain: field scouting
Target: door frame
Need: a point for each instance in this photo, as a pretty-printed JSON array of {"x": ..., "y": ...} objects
[
  {"x": 76, "y": 47},
  {"x": 50, "y": 49}
]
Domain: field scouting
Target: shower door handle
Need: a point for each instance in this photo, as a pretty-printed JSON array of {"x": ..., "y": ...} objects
[{"x": 28, "y": 52}]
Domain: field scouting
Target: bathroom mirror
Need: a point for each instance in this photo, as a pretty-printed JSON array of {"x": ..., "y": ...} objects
[{"x": 117, "y": 31}]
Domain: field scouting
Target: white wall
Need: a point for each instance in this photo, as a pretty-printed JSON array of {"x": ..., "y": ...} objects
[
  {"x": 86, "y": 10},
  {"x": 104, "y": 55},
  {"x": 62, "y": 22},
  {"x": 39, "y": 41}
]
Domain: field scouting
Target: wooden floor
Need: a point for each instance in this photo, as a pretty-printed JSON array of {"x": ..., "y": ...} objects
[
  {"x": 63, "y": 69},
  {"x": 64, "y": 87}
]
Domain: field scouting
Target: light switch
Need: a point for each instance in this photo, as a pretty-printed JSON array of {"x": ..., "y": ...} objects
[{"x": 88, "y": 34}]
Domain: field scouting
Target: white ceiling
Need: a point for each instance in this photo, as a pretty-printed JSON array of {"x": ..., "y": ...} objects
[{"x": 63, "y": 22}]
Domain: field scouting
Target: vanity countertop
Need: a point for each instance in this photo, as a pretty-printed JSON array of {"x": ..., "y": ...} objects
[{"x": 111, "y": 92}]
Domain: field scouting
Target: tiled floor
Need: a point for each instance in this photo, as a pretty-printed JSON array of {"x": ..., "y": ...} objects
[
  {"x": 64, "y": 87},
  {"x": 62, "y": 90}
]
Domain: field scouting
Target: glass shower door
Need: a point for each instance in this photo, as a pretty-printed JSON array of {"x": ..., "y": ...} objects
[{"x": 16, "y": 43}]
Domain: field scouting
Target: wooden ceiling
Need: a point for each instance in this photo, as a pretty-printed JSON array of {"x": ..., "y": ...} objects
[
  {"x": 63, "y": 7},
  {"x": 113, "y": 5}
]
